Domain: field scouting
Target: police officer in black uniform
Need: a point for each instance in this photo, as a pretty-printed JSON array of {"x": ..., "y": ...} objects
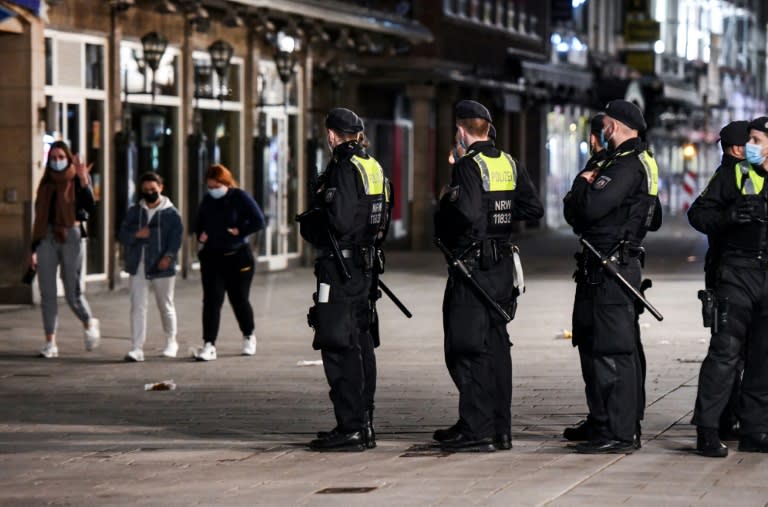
[
  {"x": 733, "y": 207},
  {"x": 585, "y": 430},
  {"x": 489, "y": 191},
  {"x": 613, "y": 208},
  {"x": 733, "y": 137},
  {"x": 348, "y": 210}
]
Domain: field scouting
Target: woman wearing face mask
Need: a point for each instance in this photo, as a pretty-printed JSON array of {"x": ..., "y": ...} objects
[
  {"x": 227, "y": 215},
  {"x": 151, "y": 234},
  {"x": 64, "y": 200}
]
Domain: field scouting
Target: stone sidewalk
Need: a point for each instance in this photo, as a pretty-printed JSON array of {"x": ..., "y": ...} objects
[{"x": 81, "y": 430}]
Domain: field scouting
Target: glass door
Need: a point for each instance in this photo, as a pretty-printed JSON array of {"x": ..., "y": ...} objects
[{"x": 276, "y": 185}]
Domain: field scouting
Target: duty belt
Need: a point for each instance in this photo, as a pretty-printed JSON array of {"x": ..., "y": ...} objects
[
  {"x": 758, "y": 262},
  {"x": 327, "y": 252}
]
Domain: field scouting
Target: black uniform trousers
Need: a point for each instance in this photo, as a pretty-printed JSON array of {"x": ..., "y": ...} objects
[
  {"x": 606, "y": 330},
  {"x": 477, "y": 350},
  {"x": 743, "y": 328},
  {"x": 226, "y": 272},
  {"x": 348, "y": 356}
]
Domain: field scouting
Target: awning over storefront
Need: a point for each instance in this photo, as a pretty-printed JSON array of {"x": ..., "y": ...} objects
[
  {"x": 344, "y": 14},
  {"x": 559, "y": 75}
]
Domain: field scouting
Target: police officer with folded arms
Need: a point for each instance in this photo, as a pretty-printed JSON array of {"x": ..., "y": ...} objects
[
  {"x": 613, "y": 208},
  {"x": 585, "y": 429},
  {"x": 489, "y": 191},
  {"x": 733, "y": 207},
  {"x": 343, "y": 223}
]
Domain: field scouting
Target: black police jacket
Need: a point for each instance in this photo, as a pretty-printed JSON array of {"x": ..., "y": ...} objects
[
  {"x": 617, "y": 205},
  {"x": 570, "y": 212},
  {"x": 466, "y": 213},
  {"x": 342, "y": 204},
  {"x": 709, "y": 213}
]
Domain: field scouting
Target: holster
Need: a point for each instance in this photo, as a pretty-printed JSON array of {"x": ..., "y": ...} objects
[
  {"x": 488, "y": 254},
  {"x": 708, "y": 308}
]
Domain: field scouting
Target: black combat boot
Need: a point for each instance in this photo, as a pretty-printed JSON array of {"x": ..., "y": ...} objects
[
  {"x": 708, "y": 443},
  {"x": 503, "y": 441},
  {"x": 754, "y": 442},
  {"x": 338, "y": 441},
  {"x": 584, "y": 430},
  {"x": 369, "y": 433},
  {"x": 444, "y": 434}
]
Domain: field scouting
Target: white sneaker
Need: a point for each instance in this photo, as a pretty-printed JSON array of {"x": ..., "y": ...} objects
[
  {"x": 135, "y": 356},
  {"x": 50, "y": 350},
  {"x": 249, "y": 345},
  {"x": 92, "y": 335},
  {"x": 206, "y": 353},
  {"x": 171, "y": 348}
]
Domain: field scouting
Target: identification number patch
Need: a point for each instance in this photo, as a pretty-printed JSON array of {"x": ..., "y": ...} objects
[
  {"x": 330, "y": 193},
  {"x": 601, "y": 182}
]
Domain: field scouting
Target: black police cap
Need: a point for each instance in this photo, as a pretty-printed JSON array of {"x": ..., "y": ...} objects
[
  {"x": 596, "y": 123},
  {"x": 342, "y": 119},
  {"x": 760, "y": 124},
  {"x": 627, "y": 113},
  {"x": 467, "y": 109},
  {"x": 735, "y": 133}
]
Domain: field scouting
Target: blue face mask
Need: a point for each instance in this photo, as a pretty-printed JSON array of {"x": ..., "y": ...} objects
[
  {"x": 217, "y": 193},
  {"x": 58, "y": 165},
  {"x": 603, "y": 140},
  {"x": 463, "y": 144},
  {"x": 754, "y": 154}
]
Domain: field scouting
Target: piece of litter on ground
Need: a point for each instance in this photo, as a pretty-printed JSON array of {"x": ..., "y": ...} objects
[
  {"x": 645, "y": 325},
  {"x": 692, "y": 258},
  {"x": 703, "y": 340},
  {"x": 318, "y": 362},
  {"x": 664, "y": 342},
  {"x": 165, "y": 385},
  {"x": 564, "y": 334}
]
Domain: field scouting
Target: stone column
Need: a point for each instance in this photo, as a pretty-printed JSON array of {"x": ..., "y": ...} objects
[
  {"x": 423, "y": 156},
  {"x": 114, "y": 125}
]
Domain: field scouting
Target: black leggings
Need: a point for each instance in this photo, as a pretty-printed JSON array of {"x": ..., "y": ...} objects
[{"x": 227, "y": 272}]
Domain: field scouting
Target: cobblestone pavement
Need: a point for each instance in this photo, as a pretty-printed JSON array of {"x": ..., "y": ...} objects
[{"x": 81, "y": 430}]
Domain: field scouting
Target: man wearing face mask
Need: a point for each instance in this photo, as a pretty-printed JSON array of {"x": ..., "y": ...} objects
[
  {"x": 586, "y": 429},
  {"x": 613, "y": 209},
  {"x": 151, "y": 234},
  {"x": 733, "y": 207},
  {"x": 489, "y": 191},
  {"x": 348, "y": 209}
]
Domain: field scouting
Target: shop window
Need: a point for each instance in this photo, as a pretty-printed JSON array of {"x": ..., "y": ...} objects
[{"x": 94, "y": 66}]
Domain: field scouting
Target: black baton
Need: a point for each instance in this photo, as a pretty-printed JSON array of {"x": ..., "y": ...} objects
[
  {"x": 394, "y": 299},
  {"x": 610, "y": 267}
]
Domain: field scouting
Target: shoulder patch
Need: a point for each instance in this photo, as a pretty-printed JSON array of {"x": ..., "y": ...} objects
[
  {"x": 601, "y": 182},
  {"x": 330, "y": 193}
]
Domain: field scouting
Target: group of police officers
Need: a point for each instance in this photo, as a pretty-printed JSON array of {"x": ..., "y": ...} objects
[{"x": 612, "y": 204}]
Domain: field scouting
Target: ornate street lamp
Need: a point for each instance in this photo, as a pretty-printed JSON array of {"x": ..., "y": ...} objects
[
  {"x": 285, "y": 61},
  {"x": 153, "y": 46},
  {"x": 221, "y": 54}
]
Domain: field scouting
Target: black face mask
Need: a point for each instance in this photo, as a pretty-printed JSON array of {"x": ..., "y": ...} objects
[{"x": 150, "y": 197}]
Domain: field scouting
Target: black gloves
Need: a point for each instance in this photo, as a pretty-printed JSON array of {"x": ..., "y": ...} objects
[{"x": 740, "y": 212}]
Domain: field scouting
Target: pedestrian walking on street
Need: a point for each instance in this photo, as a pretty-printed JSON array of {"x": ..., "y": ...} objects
[
  {"x": 63, "y": 204},
  {"x": 586, "y": 429},
  {"x": 151, "y": 234},
  {"x": 344, "y": 222},
  {"x": 226, "y": 217},
  {"x": 613, "y": 206},
  {"x": 489, "y": 191},
  {"x": 733, "y": 208}
]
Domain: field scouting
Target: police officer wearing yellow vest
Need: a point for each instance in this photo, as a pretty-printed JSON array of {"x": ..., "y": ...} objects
[
  {"x": 489, "y": 190},
  {"x": 584, "y": 430},
  {"x": 733, "y": 207},
  {"x": 349, "y": 209},
  {"x": 613, "y": 208}
]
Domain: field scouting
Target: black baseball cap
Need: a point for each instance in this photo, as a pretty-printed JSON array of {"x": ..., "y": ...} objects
[
  {"x": 627, "y": 113},
  {"x": 470, "y": 109},
  {"x": 760, "y": 124},
  {"x": 735, "y": 133},
  {"x": 596, "y": 123},
  {"x": 345, "y": 120}
]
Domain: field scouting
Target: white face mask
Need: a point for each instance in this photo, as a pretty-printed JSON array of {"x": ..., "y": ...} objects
[
  {"x": 218, "y": 192},
  {"x": 58, "y": 165}
]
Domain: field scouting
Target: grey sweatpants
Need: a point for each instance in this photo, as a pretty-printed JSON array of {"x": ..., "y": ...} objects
[{"x": 69, "y": 257}]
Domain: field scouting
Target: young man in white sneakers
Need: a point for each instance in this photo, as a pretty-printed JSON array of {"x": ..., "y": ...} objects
[{"x": 151, "y": 234}]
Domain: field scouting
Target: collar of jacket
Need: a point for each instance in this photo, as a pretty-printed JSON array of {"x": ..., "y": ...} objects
[
  {"x": 347, "y": 149},
  {"x": 481, "y": 145},
  {"x": 729, "y": 160}
]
